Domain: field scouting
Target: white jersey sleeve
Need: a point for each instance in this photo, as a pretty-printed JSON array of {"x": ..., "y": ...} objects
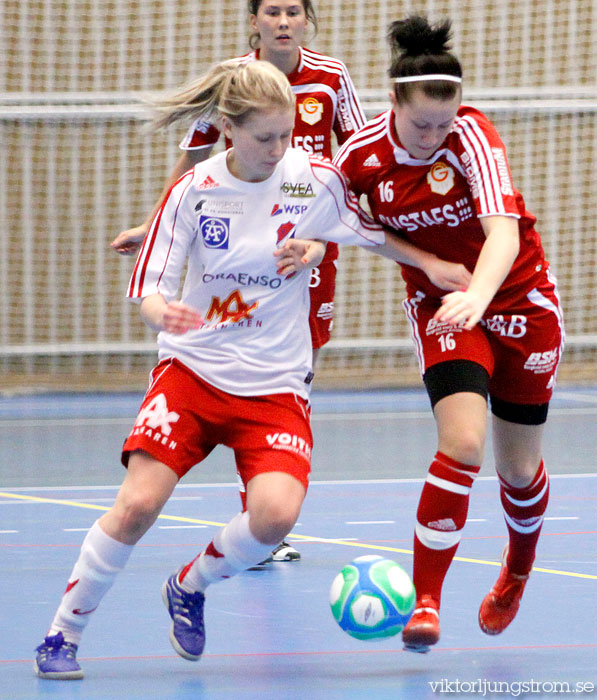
[
  {"x": 338, "y": 217},
  {"x": 162, "y": 258}
]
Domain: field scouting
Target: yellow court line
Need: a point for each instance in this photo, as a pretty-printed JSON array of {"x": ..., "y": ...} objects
[
  {"x": 93, "y": 506},
  {"x": 306, "y": 538}
]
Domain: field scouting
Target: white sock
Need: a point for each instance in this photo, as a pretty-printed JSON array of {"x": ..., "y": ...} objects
[
  {"x": 100, "y": 560},
  {"x": 233, "y": 549}
]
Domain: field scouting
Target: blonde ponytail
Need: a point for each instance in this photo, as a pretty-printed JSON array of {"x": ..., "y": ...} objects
[{"x": 230, "y": 88}]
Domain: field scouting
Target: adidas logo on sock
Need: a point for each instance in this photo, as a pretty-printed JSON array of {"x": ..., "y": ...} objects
[
  {"x": 445, "y": 524},
  {"x": 372, "y": 161}
]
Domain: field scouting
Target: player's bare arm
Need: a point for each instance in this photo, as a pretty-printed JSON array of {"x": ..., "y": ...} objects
[
  {"x": 298, "y": 254},
  {"x": 443, "y": 274},
  {"x": 174, "y": 316},
  {"x": 497, "y": 256},
  {"x": 128, "y": 242}
]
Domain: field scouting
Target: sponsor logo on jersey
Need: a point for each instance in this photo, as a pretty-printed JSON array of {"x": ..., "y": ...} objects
[
  {"x": 233, "y": 308},
  {"x": 297, "y": 189},
  {"x": 508, "y": 326},
  {"x": 220, "y": 207},
  {"x": 155, "y": 422},
  {"x": 289, "y": 209},
  {"x": 289, "y": 443},
  {"x": 343, "y": 114},
  {"x": 440, "y": 178},
  {"x": 215, "y": 231},
  {"x": 285, "y": 231},
  {"x": 542, "y": 362},
  {"x": 440, "y": 327},
  {"x": 451, "y": 215},
  {"x": 502, "y": 166},
  {"x": 208, "y": 184},
  {"x": 246, "y": 279},
  {"x": 472, "y": 174},
  {"x": 311, "y": 110},
  {"x": 372, "y": 161},
  {"x": 311, "y": 143},
  {"x": 326, "y": 311}
]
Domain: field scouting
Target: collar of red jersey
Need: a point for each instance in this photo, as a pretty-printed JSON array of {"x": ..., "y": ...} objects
[{"x": 299, "y": 66}]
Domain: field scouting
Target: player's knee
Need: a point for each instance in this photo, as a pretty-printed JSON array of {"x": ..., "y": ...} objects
[
  {"x": 520, "y": 473},
  {"x": 136, "y": 514},
  {"x": 465, "y": 445},
  {"x": 274, "y": 520}
]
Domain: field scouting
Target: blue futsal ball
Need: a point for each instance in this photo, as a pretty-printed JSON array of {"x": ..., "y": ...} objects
[{"x": 372, "y": 597}]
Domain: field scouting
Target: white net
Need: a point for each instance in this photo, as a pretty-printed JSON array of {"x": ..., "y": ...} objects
[{"x": 78, "y": 168}]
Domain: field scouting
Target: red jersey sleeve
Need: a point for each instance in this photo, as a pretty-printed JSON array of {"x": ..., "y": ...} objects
[{"x": 201, "y": 134}]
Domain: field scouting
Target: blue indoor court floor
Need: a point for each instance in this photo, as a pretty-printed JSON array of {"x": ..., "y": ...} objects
[{"x": 270, "y": 633}]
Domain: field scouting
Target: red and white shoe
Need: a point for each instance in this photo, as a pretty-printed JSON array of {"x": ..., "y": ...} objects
[
  {"x": 422, "y": 630},
  {"x": 500, "y": 605}
]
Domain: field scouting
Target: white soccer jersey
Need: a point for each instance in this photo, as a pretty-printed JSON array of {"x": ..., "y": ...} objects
[{"x": 255, "y": 339}]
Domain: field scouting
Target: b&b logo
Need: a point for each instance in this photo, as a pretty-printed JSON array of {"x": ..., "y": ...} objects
[{"x": 215, "y": 231}]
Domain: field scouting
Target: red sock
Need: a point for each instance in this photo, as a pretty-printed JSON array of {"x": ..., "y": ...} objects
[
  {"x": 524, "y": 509},
  {"x": 441, "y": 515}
]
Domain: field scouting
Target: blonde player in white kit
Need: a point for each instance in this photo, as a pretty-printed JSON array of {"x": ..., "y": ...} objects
[{"x": 234, "y": 352}]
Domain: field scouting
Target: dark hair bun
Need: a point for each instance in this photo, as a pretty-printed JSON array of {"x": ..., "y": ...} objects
[{"x": 414, "y": 36}]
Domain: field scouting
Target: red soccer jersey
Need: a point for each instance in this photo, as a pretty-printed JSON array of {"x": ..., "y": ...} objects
[
  {"x": 437, "y": 203},
  {"x": 326, "y": 102}
]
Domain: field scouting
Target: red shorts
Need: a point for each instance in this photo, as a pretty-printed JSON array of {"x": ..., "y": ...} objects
[
  {"x": 322, "y": 287},
  {"x": 182, "y": 418},
  {"x": 520, "y": 348}
]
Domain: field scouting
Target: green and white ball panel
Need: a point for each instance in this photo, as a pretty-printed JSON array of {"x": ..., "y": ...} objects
[
  {"x": 372, "y": 598},
  {"x": 395, "y": 583}
]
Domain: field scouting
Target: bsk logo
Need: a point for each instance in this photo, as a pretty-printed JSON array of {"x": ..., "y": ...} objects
[{"x": 215, "y": 231}]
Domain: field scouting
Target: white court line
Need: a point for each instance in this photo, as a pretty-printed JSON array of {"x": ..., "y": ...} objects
[
  {"x": 8, "y": 532},
  {"x": 562, "y": 517},
  {"x": 370, "y": 522},
  {"x": 181, "y": 527}
]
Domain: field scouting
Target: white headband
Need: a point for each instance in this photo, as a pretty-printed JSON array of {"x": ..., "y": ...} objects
[{"x": 428, "y": 76}]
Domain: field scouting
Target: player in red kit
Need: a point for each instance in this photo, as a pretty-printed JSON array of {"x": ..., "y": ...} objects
[
  {"x": 326, "y": 104},
  {"x": 436, "y": 171}
]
